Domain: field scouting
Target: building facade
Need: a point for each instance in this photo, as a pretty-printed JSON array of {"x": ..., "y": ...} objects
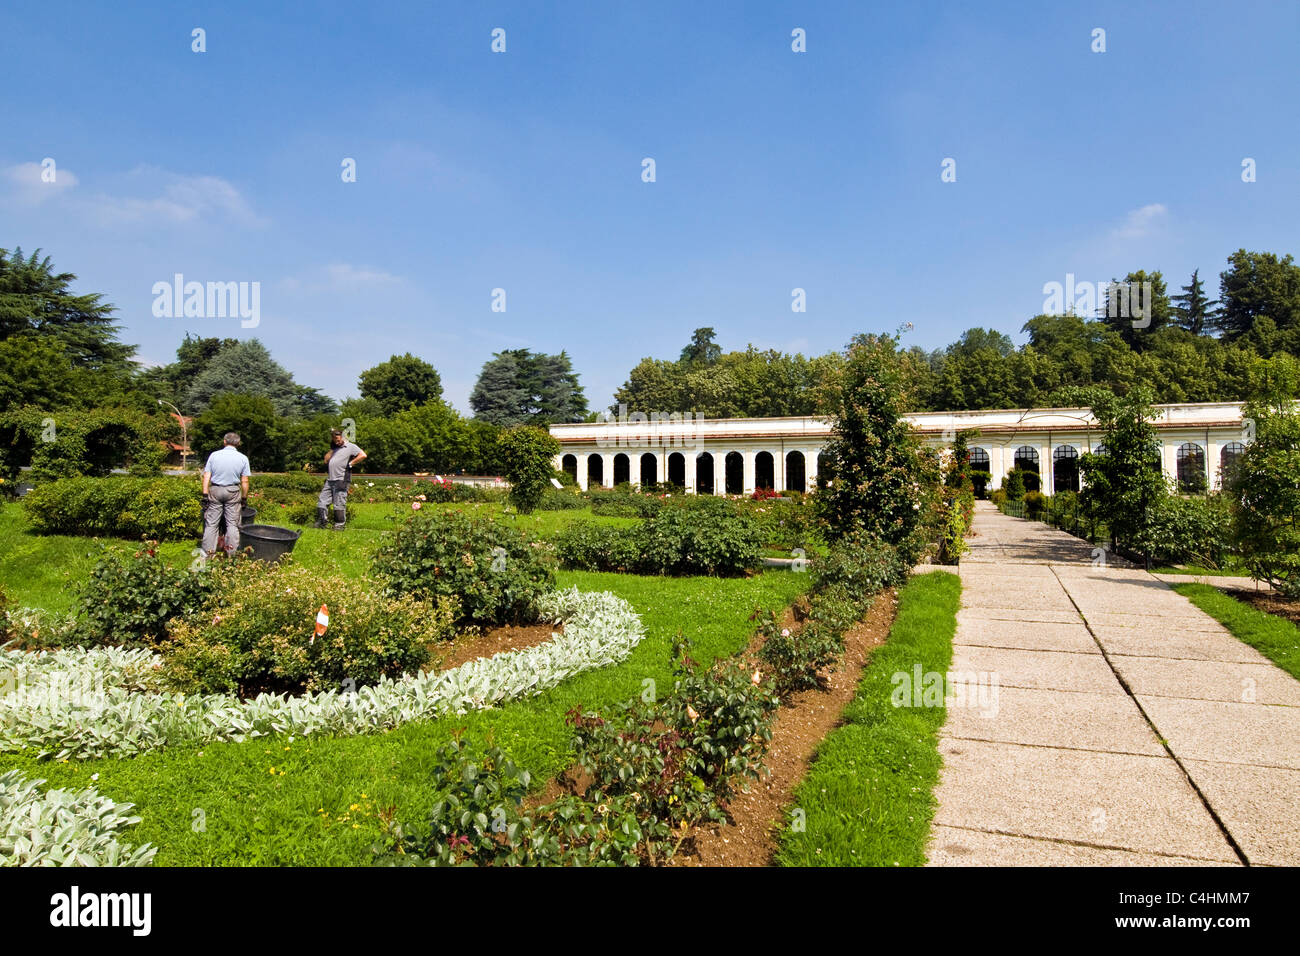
[{"x": 737, "y": 455}]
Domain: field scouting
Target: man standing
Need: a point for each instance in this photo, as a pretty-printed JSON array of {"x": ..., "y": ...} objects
[
  {"x": 225, "y": 486},
  {"x": 338, "y": 463}
]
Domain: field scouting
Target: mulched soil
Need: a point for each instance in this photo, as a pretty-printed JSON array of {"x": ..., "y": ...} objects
[
  {"x": 492, "y": 642},
  {"x": 803, "y": 721},
  {"x": 1271, "y": 603}
]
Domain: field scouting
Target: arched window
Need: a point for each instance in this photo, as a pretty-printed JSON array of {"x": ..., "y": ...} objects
[
  {"x": 981, "y": 470},
  {"x": 677, "y": 469},
  {"x": 1191, "y": 468},
  {"x": 1229, "y": 459},
  {"x": 1026, "y": 458},
  {"x": 704, "y": 473},
  {"x": 734, "y": 473},
  {"x": 794, "y": 472},
  {"x": 622, "y": 469},
  {"x": 569, "y": 463},
  {"x": 764, "y": 470},
  {"x": 649, "y": 469},
  {"x": 596, "y": 470},
  {"x": 1065, "y": 468}
]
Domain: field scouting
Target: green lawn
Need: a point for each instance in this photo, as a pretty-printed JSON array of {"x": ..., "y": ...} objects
[
  {"x": 868, "y": 797},
  {"x": 45, "y": 571},
  {"x": 225, "y": 805},
  {"x": 1274, "y": 637}
]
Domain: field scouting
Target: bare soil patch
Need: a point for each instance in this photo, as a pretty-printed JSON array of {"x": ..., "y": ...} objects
[
  {"x": 495, "y": 641},
  {"x": 1271, "y": 603}
]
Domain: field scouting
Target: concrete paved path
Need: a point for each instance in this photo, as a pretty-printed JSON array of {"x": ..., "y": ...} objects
[{"x": 1096, "y": 717}]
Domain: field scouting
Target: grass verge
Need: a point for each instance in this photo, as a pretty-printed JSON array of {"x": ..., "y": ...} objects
[
  {"x": 868, "y": 797},
  {"x": 1274, "y": 637}
]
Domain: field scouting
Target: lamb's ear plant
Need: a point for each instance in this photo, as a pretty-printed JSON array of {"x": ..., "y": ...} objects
[
  {"x": 63, "y": 827},
  {"x": 101, "y": 702}
]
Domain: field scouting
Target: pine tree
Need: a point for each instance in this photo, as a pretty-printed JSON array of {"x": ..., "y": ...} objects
[{"x": 1193, "y": 310}]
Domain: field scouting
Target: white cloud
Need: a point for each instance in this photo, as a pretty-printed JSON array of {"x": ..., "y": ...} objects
[
  {"x": 1142, "y": 222},
  {"x": 33, "y": 183},
  {"x": 171, "y": 198},
  {"x": 339, "y": 277}
]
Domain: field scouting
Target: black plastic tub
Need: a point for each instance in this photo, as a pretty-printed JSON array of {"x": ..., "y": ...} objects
[
  {"x": 269, "y": 542},
  {"x": 247, "y": 516}
]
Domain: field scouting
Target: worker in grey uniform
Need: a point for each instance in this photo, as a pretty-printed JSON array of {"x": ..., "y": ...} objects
[
  {"x": 338, "y": 464},
  {"x": 225, "y": 487}
]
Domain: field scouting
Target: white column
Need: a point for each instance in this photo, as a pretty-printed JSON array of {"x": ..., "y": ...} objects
[
  {"x": 607, "y": 469},
  {"x": 1213, "y": 449},
  {"x": 661, "y": 466},
  {"x": 688, "y": 468},
  {"x": 748, "y": 482},
  {"x": 634, "y": 467},
  {"x": 719, "y": 472},
  {"x": 778, "y": 471},
  {"x": 810, "y": 468},
  {"x": 582, "y": 471},
  {"x": 1169, "y": 458}
]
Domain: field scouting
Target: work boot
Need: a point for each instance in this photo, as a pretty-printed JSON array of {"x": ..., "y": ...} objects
[
  {"x": 340, "y": 518},
  {"x": 322, "y": 517}
]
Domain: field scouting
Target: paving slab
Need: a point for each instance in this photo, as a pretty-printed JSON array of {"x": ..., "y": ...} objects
[
  {"x": 1045, "y": 670},
  {"x": 1185, "y": 621},
  {"x": 1121, "y": 801},
  {"x": 1017, "y": 614},
  {"x": 1027, "y": 599},
  {"x": 1027, "y": 635},
  {"x": 951, "y": 846},
  {"x": 1228, "y": 732},
  {"x": 1050, "y": 718},
  {"x": 1258, "y": 806},
  {"x": 1209, "y": 680},
  {"x": 1157, "y": 641}
]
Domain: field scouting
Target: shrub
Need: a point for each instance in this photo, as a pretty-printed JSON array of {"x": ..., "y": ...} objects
[
  {"x": 622, "y": 501},
  {"x": 786, "y": 524},
  {"x": 588, "y": 546},
  {"x": 527, "y": 454},
  {"x": 162, "y": 509},
  {"x": 494, "y": 572},
  {"x": 1266, "y": 490},
  {"x": 129, "y": 599},
  {"x": 876, "y": 476},
  {"x": 1195, "y": 530},
  {"x": 8, "y": 631},
  {"x": 798, "y": 656},
  {"x": 293, "y": 481},
  {"x": 261, "y": 636},
  {"x": 1035, "y": 505},
  {"x": 860, "y": 566},
  {"x": 952, "y": 537},
  {"x": 557, "y": 500},
  {"x": 998, "y": 496},
  {"x": 705, "y": 536},
  {"x": 1014, "y": 485}
]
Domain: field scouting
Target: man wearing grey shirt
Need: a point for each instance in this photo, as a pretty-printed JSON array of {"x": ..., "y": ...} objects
[
  {"x": 225, "y": 485},
  {"x": 338, "y": 462}
]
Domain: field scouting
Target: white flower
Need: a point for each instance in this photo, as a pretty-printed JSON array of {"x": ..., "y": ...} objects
[{"x": 785, "y": 632}]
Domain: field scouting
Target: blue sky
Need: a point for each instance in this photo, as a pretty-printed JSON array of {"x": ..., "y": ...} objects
[{"x": 522, "y": 170}]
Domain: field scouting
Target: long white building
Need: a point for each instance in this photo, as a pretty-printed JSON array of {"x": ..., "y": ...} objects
[{"x": 737, "y": 455}]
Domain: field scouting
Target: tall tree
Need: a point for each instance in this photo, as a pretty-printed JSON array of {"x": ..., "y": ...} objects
[
  {"x": 401, "y": 382},
  {"x": 1193, "y": 310},
  {"x": 519, "y": 387},
  {"x": 1255, "y": 286},
  {"x": 246, "y": 368},
  {"x": 1138, "y": 307},
  {"x": 701, "y": 350},
  {"x": 35, "y": 301}
]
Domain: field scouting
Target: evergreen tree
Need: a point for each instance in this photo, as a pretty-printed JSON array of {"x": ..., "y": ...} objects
[
  {"x": 702, "y": 350},
  {"x": 1193, "y": 310},
  {"x": 519, "y": 387},
  {"x": 35, "y": 301},
  {"x": 1256, "y": 286}
]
